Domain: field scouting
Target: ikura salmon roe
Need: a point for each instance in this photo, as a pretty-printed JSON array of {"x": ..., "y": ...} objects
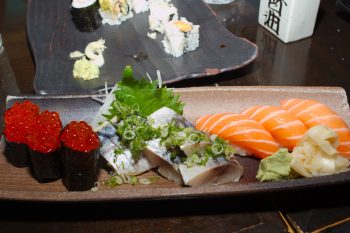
[
  {"x": 79, "y": 137},
  {"x": 19, "y": 120},
  {"x": 44, "y": 137}
]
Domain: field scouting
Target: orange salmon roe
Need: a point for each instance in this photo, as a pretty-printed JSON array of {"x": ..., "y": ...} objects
[
  {"x": 19, "y": 120},
  {"x": 44, "y": 137},
  {"x": 79, "y": 136}
]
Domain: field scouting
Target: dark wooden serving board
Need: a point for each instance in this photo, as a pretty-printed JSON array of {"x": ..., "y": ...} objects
[
  {"x": 52, "y": 36},
  {"x": 18, "y": 184}
]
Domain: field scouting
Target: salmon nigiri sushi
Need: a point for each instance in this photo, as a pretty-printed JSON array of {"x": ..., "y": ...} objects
[
  {"x": 314, "y": 113},
  {"x": 240, "y": 131},
  {"x": 283, "y": 126}
]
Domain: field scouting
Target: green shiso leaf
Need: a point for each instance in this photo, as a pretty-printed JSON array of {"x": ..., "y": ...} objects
[{"x": 145, "y": 96}]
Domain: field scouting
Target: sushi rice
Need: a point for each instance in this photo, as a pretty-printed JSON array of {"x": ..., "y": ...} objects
[
  {"x": 114, "y": 12},
  {"x": 161, "y": 12},
  {"x": 180, "y": 37},
  {"x": 140, "y": 6}
]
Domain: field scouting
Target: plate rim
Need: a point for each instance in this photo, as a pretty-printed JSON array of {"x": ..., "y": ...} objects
[{"x": 169, "y": 193}]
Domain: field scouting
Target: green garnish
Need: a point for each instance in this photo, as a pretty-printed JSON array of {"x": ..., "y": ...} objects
[
  {"x": 147, "y": 96},
  {"x": 193, "y": 160},
  {"x": 114, "y": 181},
  {"x": 133, "y": 180},
  {"x": 134, "y": 101},
  {"x": 119, "y": 179},
  {"x": 174, "y": 136}
]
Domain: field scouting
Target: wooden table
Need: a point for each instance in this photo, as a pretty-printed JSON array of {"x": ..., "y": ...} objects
[{"x": 321, "y": 60}]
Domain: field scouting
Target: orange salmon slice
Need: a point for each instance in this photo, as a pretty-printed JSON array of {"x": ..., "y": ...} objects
[
  {"x": 312, "y": 113},
  {"x": 286, "y": 129},
  {"x": 241, "y": 131}
]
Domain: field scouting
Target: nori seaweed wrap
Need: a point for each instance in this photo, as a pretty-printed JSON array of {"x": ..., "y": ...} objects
[
  {"x": 17, "y": 154},
  {"x": 18, "y": 121},
  {"x": 79, "y": 156},
  {"x": 43, "y": 142},
  {"x": 46, "y": 166},
  {"x": 85, "y": 15}
]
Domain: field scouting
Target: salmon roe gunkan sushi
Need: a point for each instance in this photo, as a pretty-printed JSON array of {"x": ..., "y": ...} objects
[
  {"x": 43, "y": 143},
  {"x": 18, "y": 121},
  {"x": 79, "y": 156}
]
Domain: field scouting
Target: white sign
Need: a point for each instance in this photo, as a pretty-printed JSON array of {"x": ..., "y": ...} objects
[{"x": 289, "y": 20}]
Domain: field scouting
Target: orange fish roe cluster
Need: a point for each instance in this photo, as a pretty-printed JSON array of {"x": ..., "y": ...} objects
[
  {"x": 19, "y": 120},
  {"x": 44, "y": 137},
  {"x": 79, "y": 136}
]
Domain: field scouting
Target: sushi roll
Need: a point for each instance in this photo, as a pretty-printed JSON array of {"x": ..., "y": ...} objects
[
  {"x": 18, "y": 121},
  {"x": 140, "y": 6},
  {"x": 180, "y": 36},
  {"x": 161, "y": 12},
  {"x": 79, "y": 156},
  {"x": 85, "y": 15},
  {"x": 114, "y": 12},
  {"x": 43, "y": 143}
]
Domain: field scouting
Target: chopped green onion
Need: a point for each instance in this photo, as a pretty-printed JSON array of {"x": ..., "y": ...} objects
[
  {"x": 144, "y": 181},
  {"x": 217, "y": 148},
  {"x": 114, "y": 181},
  {"x": 193, "y": 138},
  {"x": 164, "y": 132},
  {"x": 133, "y": 180},
  {"x": 128, "y": 135}
]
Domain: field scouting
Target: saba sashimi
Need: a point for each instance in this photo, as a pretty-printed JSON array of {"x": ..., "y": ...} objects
[
  {"x": 312, "y": 113},
  {"x": 240, "y": 131}
]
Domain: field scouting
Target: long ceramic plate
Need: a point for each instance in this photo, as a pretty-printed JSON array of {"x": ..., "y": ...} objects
[
  {"x": 18, "y": 184},
  {"x": 52, "y": 36}
]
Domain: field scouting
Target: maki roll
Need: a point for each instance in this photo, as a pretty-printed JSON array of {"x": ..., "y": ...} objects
[
  {"x": 18, "y": 121},
  {"x": 79, "y": 156},
  {"x": 140, "y": 6},
  {"x": 43, "y": 143},
  {"x": 161, "y": 12},
  {"x": 85, "y": 15},
  {"x": 180, "y": 36},
  {"x": 114, "y": 12}
]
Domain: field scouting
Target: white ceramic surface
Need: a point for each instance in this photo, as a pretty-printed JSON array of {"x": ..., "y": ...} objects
[{"x": 289, "y": 20}]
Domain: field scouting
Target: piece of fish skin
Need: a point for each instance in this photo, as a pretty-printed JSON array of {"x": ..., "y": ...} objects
[
  {"x": 108, "y": 139},
  {"x": 215, "y": 172},
  {"x": 122, "y": 163},
  {"x": 190, "y": 148},
  {"x": 161, "y": 158},
  {"x": 157, "y": 154},
  {"x": 164, "y": 116}
]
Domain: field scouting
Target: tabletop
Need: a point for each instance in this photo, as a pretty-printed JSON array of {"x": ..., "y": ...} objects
[{"x": 320, "y": 60}]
